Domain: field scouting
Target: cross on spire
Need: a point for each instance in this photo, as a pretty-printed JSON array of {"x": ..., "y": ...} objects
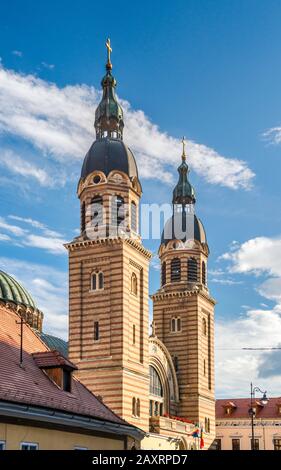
[
  {"x": 109, "y": 50},
  {"x": 183, "y": 149}
]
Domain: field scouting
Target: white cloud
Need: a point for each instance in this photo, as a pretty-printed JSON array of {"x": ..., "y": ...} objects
[
  {"x": 48, "y": 288},
  {"x": 255, "y": 328},
  {"x": 59, "y": 121},
  {"x": 19, "y": 166},
  {"x": 273, "y": 135},
  {"x": 47, "y": 66},
  {"x": 47, "y": 239},
  {"x": 261, "y": 254},
  {"x": 235, "y": 368}
]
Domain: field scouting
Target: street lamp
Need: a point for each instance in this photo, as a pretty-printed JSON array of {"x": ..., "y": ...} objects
[{"x": 252, "y": 412}]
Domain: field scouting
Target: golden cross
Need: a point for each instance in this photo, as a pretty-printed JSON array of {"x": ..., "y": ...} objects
[
  {"x": 109, "y": 50},
  {"x": 183, "y": 148}
]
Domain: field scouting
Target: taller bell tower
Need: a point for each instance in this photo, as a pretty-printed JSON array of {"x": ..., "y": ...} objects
[
  {"x": 183, "y": 309},
  {"x": 108, "y": 270}
]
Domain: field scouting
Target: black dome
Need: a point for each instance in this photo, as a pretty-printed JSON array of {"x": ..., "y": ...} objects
[
  {"x": 183, "y": 223},
  {"x": 109, "y": 154}
]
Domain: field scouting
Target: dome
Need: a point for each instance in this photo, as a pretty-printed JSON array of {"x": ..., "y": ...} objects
[
  {"x": 109, "y": 154},
  {"x": 184, "y": 226},
  {"x": 55, "y": 343},
  {"x": 12, "y": 291}
]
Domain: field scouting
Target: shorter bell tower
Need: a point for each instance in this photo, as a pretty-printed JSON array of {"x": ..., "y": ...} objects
[{"x": 183, "y": 309}]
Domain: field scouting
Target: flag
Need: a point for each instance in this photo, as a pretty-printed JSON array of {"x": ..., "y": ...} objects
[{"x": 201, "y": 439}]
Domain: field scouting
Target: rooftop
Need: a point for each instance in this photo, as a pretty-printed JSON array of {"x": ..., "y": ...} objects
[{"x": 240, "y": 408}]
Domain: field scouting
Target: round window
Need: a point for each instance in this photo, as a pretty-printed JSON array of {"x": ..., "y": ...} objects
[{"x": 96, "y": 179}]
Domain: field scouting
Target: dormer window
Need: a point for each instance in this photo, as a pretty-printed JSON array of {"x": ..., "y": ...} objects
[{"x": 56, "y": 367}]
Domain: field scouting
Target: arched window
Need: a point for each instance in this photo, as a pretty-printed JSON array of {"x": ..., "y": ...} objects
[
  {"x": 83, "y": 217},
  {"x": 117, "y": 211},
  {"x": 204, "y": 326},
  {"x": 134, "y": 284},
  {"x": 175, "y": 270},
  {"x": 96, "y": 211},
  {"x": 134, "y": 406},
  {"x": 155, "y": 383},
  {"x": 203, "y": 272},
  {"x": 163, "y": 273},
  {"x": 97, "y": 281},
  {"x": 192, "y": 270},
  {"x": 175, "y": 324},
  {"x": 133, "y": 216}
]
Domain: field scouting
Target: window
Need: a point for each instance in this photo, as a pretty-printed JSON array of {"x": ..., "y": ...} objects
[
  {"x": 204, "y": 326},
  {"x": 96, "y": 331},
  {"x": 163, "y": 273},
  {"x": 176, "y": 363},
  {"x": 217, "y": 444},
  {"x": 134, "y": 284},
  {"x": 155, "y": 383},
  {"x": 117, "y": 211},
  {"x": 83, "y": 217},
  {"x": 277, "y": 444},
  {"x": 204, "y": 366},
  {"x": 136, "y": 407},
  {"x": 66, "y": 380},
  {"x": 133, "y": 216},
  {"x": 28, "y": 446},
  {"x": 134, "y": 334},
  {"x": 97, "y": 282},
  {"x": 203, "y": 272},
  {"x": 150, "y": 407},
  {"x": 97, "y": 211},
  {"x": 2, "y": 445},
  {"x": 175, "y": 324},
  {"x": 256, "y": 444},
  {"x": 175, "y": 270},
  {"x": 207, "y": 425},
  {"x": 235, "y": 444},
  {"x": 192, "y": 270}
]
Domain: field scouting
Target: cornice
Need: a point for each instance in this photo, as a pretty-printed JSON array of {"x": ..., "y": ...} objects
[{"x": 79, "y": 243}]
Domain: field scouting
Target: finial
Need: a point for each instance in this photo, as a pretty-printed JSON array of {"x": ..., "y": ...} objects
[
  {"x": 183, "y": 149},
  {"x": 153, "y": 327},
  {"x": 109, "y": 50}
]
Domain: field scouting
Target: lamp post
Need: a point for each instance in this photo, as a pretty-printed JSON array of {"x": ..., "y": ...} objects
[{"x": 252, "y": 412}]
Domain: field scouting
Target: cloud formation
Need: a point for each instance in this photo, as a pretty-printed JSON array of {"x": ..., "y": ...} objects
[
  {"x": 46, "y": 239},
  {"x": 59, "y": 122},
  {"x": 48, "y": 287},
  {"x": 255, "y": 328}
]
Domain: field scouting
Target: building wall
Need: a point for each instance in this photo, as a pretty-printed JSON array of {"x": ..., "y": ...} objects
[
  {"x": 265, "y": 430},
  {"x": 51, "y": 439}
]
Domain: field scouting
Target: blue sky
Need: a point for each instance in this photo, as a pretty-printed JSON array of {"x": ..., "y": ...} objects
[{"x": 209, "y": 70}]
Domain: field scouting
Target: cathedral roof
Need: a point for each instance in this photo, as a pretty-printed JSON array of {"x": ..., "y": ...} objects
[
  {"x": 183, "y": 226},
  {"x": 109, "y": 154},
  {"x": 12, "y": 291},
  {"x": 55, "y": 343}
]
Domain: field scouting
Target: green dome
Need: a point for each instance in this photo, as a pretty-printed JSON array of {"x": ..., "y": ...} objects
[{"x": 12, "y": 291}]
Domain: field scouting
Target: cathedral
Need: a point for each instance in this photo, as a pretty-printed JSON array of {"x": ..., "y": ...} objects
[{"x": 162, "y": 383}]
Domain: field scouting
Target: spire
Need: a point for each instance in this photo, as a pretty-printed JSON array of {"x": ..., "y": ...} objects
[
  {"x": 184, "y": 192},
  {"x": 109, "y": 114}
]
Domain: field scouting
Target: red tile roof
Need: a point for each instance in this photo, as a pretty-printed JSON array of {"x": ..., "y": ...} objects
[
  {"x": 47, "y": 359},
  {"x": 241, "y": 407},
  {"x": 30, "y": 385}
]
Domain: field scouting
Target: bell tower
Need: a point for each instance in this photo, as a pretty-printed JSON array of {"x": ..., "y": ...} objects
[
  {"x": 108, "y": 270},
  {"x": 183, "y": 309}
]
